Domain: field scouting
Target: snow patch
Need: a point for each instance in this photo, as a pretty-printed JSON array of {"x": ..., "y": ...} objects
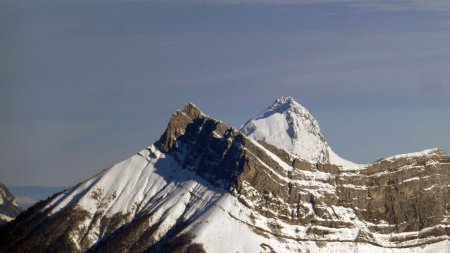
[
  {"x": 6, "y": 218},
  {"x": 426, "y": 152}
]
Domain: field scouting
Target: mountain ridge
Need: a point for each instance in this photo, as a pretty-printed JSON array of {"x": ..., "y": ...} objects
[
  {"x": 8, "y": 205},
  {"x": 204, "y": 184}
]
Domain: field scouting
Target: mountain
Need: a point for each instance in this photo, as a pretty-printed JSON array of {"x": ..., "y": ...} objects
[
  {"x": 207, "y": 187},
  {"x": 8, "y": 206},
  {"x": 289, "y": 126}
]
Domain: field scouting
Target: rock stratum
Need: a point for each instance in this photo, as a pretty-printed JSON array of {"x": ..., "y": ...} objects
[{"x": 207, "y": 187}]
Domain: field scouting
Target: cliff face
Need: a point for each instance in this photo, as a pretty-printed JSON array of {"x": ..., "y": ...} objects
[
  {"x": 397, "y": 203},
  {"x": 206, "y": 146},
  {"x": 403, "y": 195},
  {"x": 204, "y": 184}
]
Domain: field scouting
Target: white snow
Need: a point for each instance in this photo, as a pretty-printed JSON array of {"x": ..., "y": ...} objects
[
  {"x": 426, "y": 152},
  {"x": 6, "y": 218},
  {"x": 414, "y": 179},
  {"x": 289, "y": 126},
  {"x": 225, "y": 228},
  {"x": 148, "y": 182}
]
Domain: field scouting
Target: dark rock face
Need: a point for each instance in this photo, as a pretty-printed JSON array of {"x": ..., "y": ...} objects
[
  {"x": 386, "y": 198},
  {"x": 8, "y": 207},
  {"x": 204, "y": 145}
]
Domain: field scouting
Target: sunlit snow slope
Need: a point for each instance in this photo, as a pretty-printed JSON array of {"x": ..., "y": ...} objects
[{"x": 289, "y": 126}]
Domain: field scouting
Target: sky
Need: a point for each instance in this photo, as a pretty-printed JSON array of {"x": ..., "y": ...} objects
[{"x": 86, "y": 84}]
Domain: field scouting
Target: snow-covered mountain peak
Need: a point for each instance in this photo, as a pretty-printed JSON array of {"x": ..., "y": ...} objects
[
  {"x": 286, "y": 105},
  {"x": 288, "y": 125},
  {"x": 284, "y": 101}
]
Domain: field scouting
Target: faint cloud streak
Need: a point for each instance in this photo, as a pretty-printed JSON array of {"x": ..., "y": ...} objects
[{"x": 371, "y": 5}]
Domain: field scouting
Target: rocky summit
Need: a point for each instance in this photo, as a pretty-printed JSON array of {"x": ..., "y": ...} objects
[{"x": 273, "y": 186}]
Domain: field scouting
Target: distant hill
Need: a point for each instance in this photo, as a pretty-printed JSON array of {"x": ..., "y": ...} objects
[{"x": 26, "y": 196}]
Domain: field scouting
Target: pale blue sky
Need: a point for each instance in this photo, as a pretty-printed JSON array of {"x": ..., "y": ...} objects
[{"x": 86, "y": 84}]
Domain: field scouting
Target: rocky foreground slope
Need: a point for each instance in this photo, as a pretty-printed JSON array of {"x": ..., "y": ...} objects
[
  {"x": 8, "y": 205},
  {"x": 207, "y": 187}
]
